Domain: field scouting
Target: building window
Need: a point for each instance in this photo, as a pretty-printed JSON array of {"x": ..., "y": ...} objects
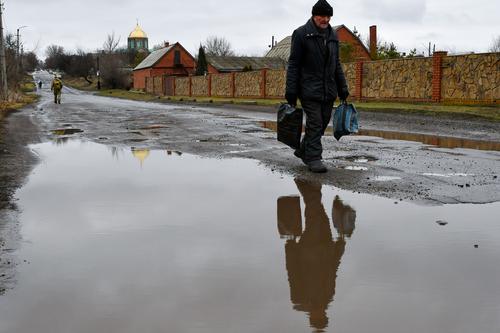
[{"x": 177, "y": 58}]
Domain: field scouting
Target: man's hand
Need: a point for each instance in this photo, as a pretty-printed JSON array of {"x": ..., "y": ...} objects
[
  {"x": 291, "y": 99},
  {"x": 344, "y": 94}
]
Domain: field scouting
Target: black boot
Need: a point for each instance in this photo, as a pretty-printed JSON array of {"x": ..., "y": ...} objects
[{"x": 317, "y": 166}]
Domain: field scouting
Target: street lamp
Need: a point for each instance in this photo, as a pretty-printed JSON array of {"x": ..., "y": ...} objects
[{"x": 17, "y": 51}]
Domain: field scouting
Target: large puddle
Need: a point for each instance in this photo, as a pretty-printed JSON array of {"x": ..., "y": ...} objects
[
  {"x": 117, "y": 240},
  {"x": 434, "y": 140}
]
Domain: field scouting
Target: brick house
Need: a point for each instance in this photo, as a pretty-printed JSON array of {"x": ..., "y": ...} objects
[
  {"x": 358, "y": 51},
  {"x": 172, "y": 60}
]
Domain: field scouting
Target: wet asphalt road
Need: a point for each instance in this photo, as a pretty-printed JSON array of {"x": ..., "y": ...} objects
[
  {"x": 402, "y": 170},
  {"x": 93, "y": 220}
]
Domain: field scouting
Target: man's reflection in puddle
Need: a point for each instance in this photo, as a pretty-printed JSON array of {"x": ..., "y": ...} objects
[{"x": 313, "y": 255}]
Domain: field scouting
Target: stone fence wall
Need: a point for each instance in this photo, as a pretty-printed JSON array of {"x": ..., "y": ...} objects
[
  {"x": 473, "y": 78},
  {"x": 402, "y": 78},
  {"x": 469, "y": 78}
]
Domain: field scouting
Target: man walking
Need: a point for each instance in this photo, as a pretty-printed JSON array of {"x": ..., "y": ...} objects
[
  {"x": 56, "y": 87},
  {"x": 315, "y": 76}
]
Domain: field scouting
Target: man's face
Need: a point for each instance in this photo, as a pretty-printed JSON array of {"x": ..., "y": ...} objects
[{"x": 321, "y": 22}]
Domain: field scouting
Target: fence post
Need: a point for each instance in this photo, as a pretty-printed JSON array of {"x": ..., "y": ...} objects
[
  {"x": 233, "y": 88},
  {"x": 209, "y": 85},
  {"x": 263, "y": 83},
  {"x": 437, "y": 74},
  {"x": 190, "y": 86},
  {"x": 358, "y": 85}
]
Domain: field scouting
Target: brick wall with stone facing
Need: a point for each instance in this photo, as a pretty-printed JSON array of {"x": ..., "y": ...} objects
[
  {"x": 158, "y": 85},
  {"x": 471, "y": 77},
  {"x": 221, "y": 85},
  {"x": 199, "y": 86},
  {"x": 149, "y": 87},
  {"x": 275, "y": 83},
  {"x": 248, "y": 84},
  {"x": 398, "y": 79},
  {"x": 350, "y": 75},
  {"x": 182, "y": 86}
]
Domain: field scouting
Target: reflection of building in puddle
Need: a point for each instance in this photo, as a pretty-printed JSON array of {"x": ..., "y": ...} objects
[
  {"x": 312, "y": 254},
  {"x": 178, "y": 153},
  {"x": 143, "y": 154},
  {"x": 140, "y": 154}
]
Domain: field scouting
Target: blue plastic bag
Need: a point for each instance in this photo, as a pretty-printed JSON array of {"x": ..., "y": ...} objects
[{"x": 345, "y": 120}]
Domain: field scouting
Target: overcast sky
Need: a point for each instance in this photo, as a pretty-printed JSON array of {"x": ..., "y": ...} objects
[{"x": 452, "y": 25}]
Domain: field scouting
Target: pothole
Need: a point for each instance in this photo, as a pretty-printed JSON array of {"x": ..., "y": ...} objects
[
  {"x": 385, "y": 178},
  {"x": 447, "y": 175},
  {"x": 356, "y": 168},
  {"x": 360, "y": 158}
]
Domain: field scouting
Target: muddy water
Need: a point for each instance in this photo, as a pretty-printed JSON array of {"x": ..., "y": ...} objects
[
  {"x": 120, "y": 240},
  {"x": 434, "y": 140}
]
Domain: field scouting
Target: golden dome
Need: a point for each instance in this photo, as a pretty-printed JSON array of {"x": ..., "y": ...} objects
[
  {"x": 137, "y": 33},
  {"x": 140, "y": 154}
]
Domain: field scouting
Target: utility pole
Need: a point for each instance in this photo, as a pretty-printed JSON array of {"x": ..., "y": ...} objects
[
  {"x": 98, "y": 73},
  {"x": 18, "y": 55},
  {"x": 3, "y": 68}
]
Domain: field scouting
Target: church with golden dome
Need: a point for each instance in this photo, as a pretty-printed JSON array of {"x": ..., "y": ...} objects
[{"x": 138, "y": 40}]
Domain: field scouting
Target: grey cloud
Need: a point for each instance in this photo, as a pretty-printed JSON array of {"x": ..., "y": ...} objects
[{"x": 395, "y": 10}]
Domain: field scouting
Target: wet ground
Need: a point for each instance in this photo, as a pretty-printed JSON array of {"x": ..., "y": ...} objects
[
  {"x": 168, "y": 218},
  {"x": 118, "y": 240}
]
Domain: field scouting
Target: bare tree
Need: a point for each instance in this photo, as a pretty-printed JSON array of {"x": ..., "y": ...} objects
[
  {"x": 114, "y": 72},
  {"x": 54, "y": 51},
  {"x": 111, "y": 43},
  {"x": 56, "y": 58},
  {"x": 217, "y": 46},
  {"x": 495, "y": 46},
  {"x": 81, "y": 65}
]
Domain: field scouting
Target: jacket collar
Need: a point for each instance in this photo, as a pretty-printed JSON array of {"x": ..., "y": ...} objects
[{"x": 312, "y": 31}]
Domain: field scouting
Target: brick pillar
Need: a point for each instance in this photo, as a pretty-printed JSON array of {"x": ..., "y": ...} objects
[
  {"x": 209, "y": 82},
  {"x": 263, "y": 84},
  {"x": 437, "y": 74},
  {"x": 233, "y": 88},
  {"x": 173, "y": 84},
  {"x": 358, "y": 85},
  {"x": 190, "y": 86}
]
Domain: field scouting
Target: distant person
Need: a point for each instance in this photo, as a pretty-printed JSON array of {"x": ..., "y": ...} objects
[
  {"x": 56, "y": 88},
  {"x": 314, "y": 76},
  {"x": 40, "y": 84}
]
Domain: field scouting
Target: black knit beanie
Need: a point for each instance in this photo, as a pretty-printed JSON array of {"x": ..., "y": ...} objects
[{"x": 322, "y": 8}]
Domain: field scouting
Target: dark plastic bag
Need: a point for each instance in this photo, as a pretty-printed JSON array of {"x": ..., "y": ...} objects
[
  {"x": 289, "y": 217},
  {"x": 345, "y": 120},
  {"x": 289, "y": 125}
]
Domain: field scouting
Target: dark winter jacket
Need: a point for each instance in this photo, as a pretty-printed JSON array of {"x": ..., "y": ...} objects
[{"x": 311, "y": 75}]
